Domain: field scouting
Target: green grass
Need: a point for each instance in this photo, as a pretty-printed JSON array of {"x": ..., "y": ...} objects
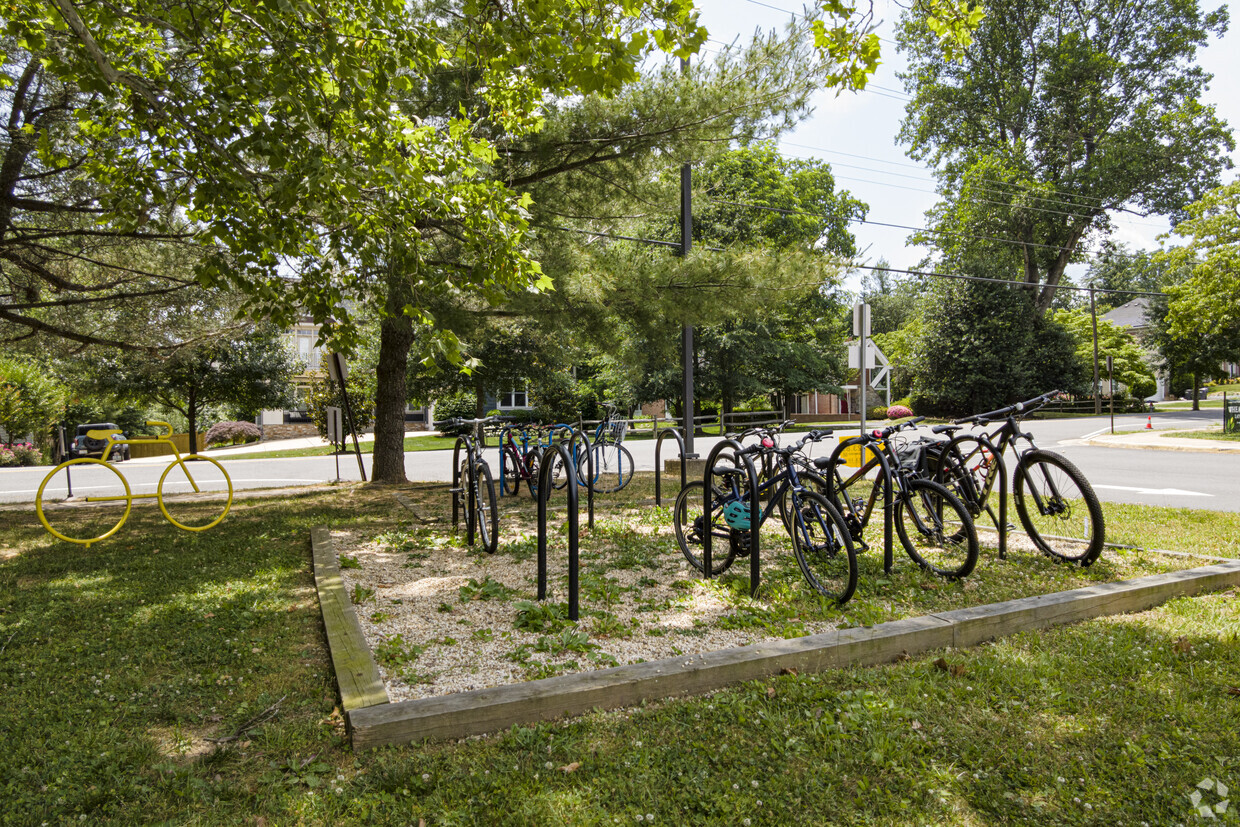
[
  {"x": 1217, "y": 436},
  {"x": 1187, "y": 405},
  {"x": 119, "y": 660}
]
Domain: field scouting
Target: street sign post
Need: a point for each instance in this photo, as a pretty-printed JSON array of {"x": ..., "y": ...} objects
[
  {"x": 339, "y": 372},
  {"x": 861, "y": 329},
  {"x": 335, "y": 434}
]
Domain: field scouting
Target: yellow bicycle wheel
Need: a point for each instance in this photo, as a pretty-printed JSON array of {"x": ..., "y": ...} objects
[
  {"x": 211, "y": 477},
  {"x": 91, "y": 518}
]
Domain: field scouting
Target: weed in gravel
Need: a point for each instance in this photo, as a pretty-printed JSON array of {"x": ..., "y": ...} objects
[
  {"x": 520, "y": 550},
  {"x": 541, "y": 617},
  {"x": 568, "y": 640},
  {"x": 606, "y": 624},
  {"x": 483, "y": 635},
  {"x": 485, "y": 589},
  {"x": 347, "y": 562},
  {"x": 395, "y": 651},
  {"x": 361, "y": 594},
  {"x": 380, "y": 616}
]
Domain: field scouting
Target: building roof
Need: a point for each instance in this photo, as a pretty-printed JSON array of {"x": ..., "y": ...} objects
[{"x": 1131, "y": 314}]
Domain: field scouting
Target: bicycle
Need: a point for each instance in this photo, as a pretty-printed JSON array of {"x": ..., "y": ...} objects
[
  {"x": 932, "y": 523},
  {"x": 472, "y": 477},
  {"x": 613, "y": 464},
  {"x": 820, "y": 537},
  {"x": 1055, "y": 503},
  {"x": 519, "y": 463},
  {"x": 89, "y": 464}
]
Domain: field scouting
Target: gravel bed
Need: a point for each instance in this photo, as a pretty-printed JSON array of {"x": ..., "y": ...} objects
[{"x": 433, "y": 614}]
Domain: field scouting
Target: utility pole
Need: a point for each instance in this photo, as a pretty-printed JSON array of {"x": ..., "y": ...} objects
[
  {"x": 1093, "y": 314},
  {"x": 686, "y": 243}
]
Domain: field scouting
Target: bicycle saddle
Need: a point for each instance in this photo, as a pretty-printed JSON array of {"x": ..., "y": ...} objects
[
  {"x": 102, "y": 434},
  {"x": 946, "y": 429}
]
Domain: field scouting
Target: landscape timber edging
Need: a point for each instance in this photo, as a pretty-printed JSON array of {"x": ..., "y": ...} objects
[
  {"x": 497, "y": 708},
  {"x": 357, "y": 674}
]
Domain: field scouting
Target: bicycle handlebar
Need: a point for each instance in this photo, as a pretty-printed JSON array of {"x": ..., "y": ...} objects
[{"x": 1003, "y": 413}]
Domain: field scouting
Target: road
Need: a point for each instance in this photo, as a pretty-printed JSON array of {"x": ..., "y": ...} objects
[{"x": 1153, "y": 477}]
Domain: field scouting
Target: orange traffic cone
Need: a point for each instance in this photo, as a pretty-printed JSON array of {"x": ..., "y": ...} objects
[{"x": 1148, "y": 425}]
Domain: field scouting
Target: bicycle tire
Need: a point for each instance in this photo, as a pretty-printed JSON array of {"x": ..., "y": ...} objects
[
  {"x": 1069, "y": 527},
  {"x": 487, "y": 508},
  {"x": 811, "y": 481},
  {"x": 510, "y": 481},
  {"x": 688, "y": 523},
  {"x": 532, "y": 463},
  {"x": 823, "y": 548},
  {"x": 38, "y": 502},
  {"x": 180, "y": 461},
  {"x": 613, "y": 467},
  {"x": 940, "y": 535}
]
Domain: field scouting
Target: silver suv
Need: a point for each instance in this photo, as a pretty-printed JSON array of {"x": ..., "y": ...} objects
[{"x": 84, "y": 446}]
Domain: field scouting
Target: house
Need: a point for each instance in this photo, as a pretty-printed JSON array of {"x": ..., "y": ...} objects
[
  {"x": 1132, "y": 317},
  {"x": 295, "y": 421}
]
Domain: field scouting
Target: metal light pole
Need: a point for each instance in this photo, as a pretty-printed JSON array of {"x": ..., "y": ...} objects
[{"x": 686, "y": 243}]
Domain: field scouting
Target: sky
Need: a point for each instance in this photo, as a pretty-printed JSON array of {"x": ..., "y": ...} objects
[{"x": 856, "y": 132}]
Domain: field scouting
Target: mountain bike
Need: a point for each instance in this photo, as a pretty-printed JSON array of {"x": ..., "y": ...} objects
[
  {"x": 820, "y": 537},
  {"x": 933, "y": 525},
  {"x": 613, "y": 464},
  {"x": 1055, "y": 503},
  {"x": 101, "y": 521},
  {"x": 472, "y": 477}
]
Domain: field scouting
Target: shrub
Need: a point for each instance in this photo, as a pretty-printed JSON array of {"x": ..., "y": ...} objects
[
  {"x": 233, "y": 432},
  {"x": 462, "y": 403},
  {"x": 877, "y": 412},
  {"x": 899, "y": 412},
  {"x": 20, "y": 454}
]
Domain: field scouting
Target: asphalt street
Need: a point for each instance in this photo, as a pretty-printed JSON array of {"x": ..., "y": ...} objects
[{"x": 1150, "y": 476}]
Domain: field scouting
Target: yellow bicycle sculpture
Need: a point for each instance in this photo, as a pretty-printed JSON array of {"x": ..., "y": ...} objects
[{"x": 128, "y": 497}]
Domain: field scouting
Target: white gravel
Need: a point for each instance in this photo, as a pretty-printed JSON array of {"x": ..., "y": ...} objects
[{"x": 463, "y": 645}]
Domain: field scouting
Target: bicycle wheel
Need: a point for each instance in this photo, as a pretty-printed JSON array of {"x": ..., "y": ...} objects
[
  {"x": 963, "y": 469},
  {"x": 688, "y": 519},
  {"x": 99, "y": 484},
  {"x": 613, "y": 467},
  {"x": 487, "y": 511},
  {"x": 823, "y": 547},
  {"x": 1058, "y": 508},
  {"x": 511, "y": 480},
  {"x": 936, "y": 530},
  {"x": 532, "y": 465},
  {"x": 810, "y": 481},
  {"x": 193, "y": 514}
]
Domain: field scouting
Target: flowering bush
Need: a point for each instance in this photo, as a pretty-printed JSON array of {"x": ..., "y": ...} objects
[
  {"x": 898, "y": 412},
  {"x": 20, "y": 453},
  {"x": 233, "y": 432}
]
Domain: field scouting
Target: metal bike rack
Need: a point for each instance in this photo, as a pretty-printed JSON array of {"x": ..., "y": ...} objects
[
  {"x": 755, "y": 512},
  {"x": 888, "y": 493},
  {"x": 658, "y": 463},
  {"x": 544, "y": 491},
  {"x": 578, "y": 436}
]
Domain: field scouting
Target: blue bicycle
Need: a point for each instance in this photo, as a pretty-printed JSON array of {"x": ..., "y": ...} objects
[{"x": 820, "y": 537}]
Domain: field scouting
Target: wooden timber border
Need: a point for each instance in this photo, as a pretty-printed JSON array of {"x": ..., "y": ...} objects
[
  {"x": 373, "y": 721},
  {"x": 358, "y": 676}
]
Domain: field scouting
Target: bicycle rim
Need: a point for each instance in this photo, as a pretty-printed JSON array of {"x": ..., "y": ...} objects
[
  {"x": 101, "y": 504},
  {"x": 195, "y": 513},
  {"x": 936, "y": 530},
  {"x": 823, "y": 549},
  {"x": 687, "y": 519},
  {"x": 488, "y": 512},
  {"x": 1059, "y": 509}
]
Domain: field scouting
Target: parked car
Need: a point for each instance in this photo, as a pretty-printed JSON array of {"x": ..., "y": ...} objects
[{"x": 84, "y": 446}]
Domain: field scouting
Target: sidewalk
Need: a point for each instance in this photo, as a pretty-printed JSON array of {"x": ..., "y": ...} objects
[{"x": 1159, "y": 441}]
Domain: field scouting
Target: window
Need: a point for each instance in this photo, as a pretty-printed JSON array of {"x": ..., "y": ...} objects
[{"x": 514, "y": 399}]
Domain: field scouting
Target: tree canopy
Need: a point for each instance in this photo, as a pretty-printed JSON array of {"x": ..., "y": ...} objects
[{"x": 1059, "y": 115}]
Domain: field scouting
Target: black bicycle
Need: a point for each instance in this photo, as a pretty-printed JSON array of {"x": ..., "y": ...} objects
[
  {"x": 820, "y": 538},
  {"x": 472, "y": 477},
  {"x": 933, "y": 525},
  {"x": 1055, "y": 503}
]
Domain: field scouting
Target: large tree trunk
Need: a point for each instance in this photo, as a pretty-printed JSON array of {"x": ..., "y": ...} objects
[
  {"x": 192, "y": 416},
  {"x": 395, "y": 339},
  {"x": 1196, "y": 385}
]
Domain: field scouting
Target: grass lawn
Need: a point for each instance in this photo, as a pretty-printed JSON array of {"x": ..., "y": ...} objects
[
  {"x": 1215, "y": 435},
  {"x": 117, "y": 664}
]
